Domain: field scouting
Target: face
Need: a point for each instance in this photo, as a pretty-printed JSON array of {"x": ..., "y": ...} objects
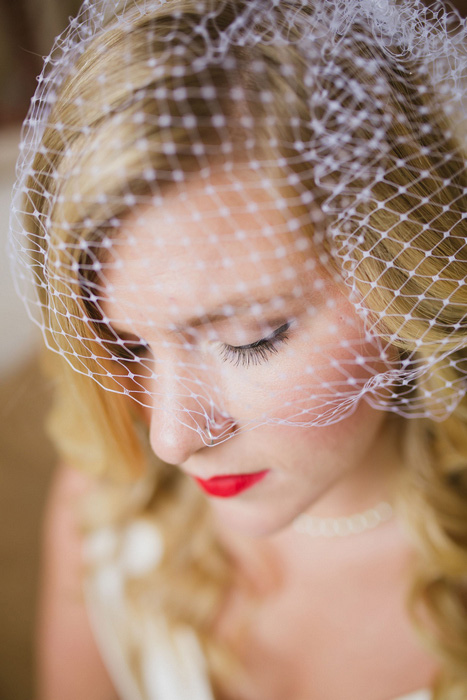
[{"x": 236, "y": 321}]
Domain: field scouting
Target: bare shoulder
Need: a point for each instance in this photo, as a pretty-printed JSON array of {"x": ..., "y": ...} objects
[
  {"x": 67, "y": 488},
  {"x": 69, "y": 664},
  {"x": 62, "y": 541}
]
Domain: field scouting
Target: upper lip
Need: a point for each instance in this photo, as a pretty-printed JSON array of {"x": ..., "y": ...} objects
[{"x": 221, "y": 476}]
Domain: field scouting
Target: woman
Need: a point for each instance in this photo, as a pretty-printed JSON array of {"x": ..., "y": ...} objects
[{"x": 245, "y": 223}]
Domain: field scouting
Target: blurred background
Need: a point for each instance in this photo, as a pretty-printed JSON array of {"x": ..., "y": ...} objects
[{"x": 27, "y": 30}]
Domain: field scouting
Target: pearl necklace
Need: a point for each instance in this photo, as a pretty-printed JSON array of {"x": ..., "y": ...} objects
[{"x": 341, "y": 527}]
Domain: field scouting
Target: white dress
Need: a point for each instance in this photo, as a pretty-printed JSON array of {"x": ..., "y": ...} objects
[{"x": 173, "y": 664}]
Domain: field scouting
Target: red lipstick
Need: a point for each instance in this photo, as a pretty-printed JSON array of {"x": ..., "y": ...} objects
[{"x": 227, "y": 486}]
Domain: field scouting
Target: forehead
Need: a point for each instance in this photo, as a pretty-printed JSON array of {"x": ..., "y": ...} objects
[{"x": 225, "y": 236}]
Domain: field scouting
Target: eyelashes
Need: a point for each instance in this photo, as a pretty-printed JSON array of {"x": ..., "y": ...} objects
[
  {"x": 242, "y": 355},
  {"x": 258, "y": 352}
]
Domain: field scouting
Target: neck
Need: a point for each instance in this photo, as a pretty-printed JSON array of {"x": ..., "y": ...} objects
[{"x": 287, "y": 553}]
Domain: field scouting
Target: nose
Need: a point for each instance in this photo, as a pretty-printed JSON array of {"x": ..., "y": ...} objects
[{"x": 182, "y": 420}]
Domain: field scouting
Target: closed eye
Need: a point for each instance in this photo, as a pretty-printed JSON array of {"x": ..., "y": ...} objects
[
  {"x": 245, "y": 355},
  {"x": 258, "y": 352}
]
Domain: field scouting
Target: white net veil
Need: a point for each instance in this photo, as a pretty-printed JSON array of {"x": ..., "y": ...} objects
[{"x": 250, "y": 212}]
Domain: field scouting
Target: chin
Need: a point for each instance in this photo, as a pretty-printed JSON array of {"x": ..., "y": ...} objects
[{"x": 242, "y": 521}]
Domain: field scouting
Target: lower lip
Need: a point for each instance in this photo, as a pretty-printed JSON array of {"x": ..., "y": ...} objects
[{"x": 227, "y": 486}]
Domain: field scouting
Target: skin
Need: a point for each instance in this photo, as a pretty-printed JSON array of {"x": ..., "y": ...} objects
[{"x": 335, "y": 470}]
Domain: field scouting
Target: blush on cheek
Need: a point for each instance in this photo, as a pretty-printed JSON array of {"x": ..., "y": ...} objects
[
  {"x": 320, "y": 393},
  {"x": 322, "y": 375}
]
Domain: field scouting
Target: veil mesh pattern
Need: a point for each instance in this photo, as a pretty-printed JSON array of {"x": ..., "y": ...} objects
[{"x": 307, "y": 156}]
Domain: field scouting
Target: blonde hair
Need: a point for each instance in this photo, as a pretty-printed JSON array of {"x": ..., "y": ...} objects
[{"x": 196, "y": 573}]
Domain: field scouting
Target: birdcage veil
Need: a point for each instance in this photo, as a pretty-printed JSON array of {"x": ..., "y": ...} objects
[{"x": 304, "y": 158}]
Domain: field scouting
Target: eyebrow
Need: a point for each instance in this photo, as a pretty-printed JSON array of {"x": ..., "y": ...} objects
[{"x": 238, "y": 304}]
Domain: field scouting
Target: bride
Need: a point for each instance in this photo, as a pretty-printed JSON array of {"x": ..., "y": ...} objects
[{"x": 243, "y": 222}]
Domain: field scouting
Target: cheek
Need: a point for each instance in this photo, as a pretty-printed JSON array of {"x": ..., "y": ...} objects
[
  {"x": 325, "y": 451},
  {"x": 304, "y": 386}
]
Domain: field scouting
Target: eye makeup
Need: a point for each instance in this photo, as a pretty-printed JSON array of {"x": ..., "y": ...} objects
[{"x": 258, "y": 352}]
